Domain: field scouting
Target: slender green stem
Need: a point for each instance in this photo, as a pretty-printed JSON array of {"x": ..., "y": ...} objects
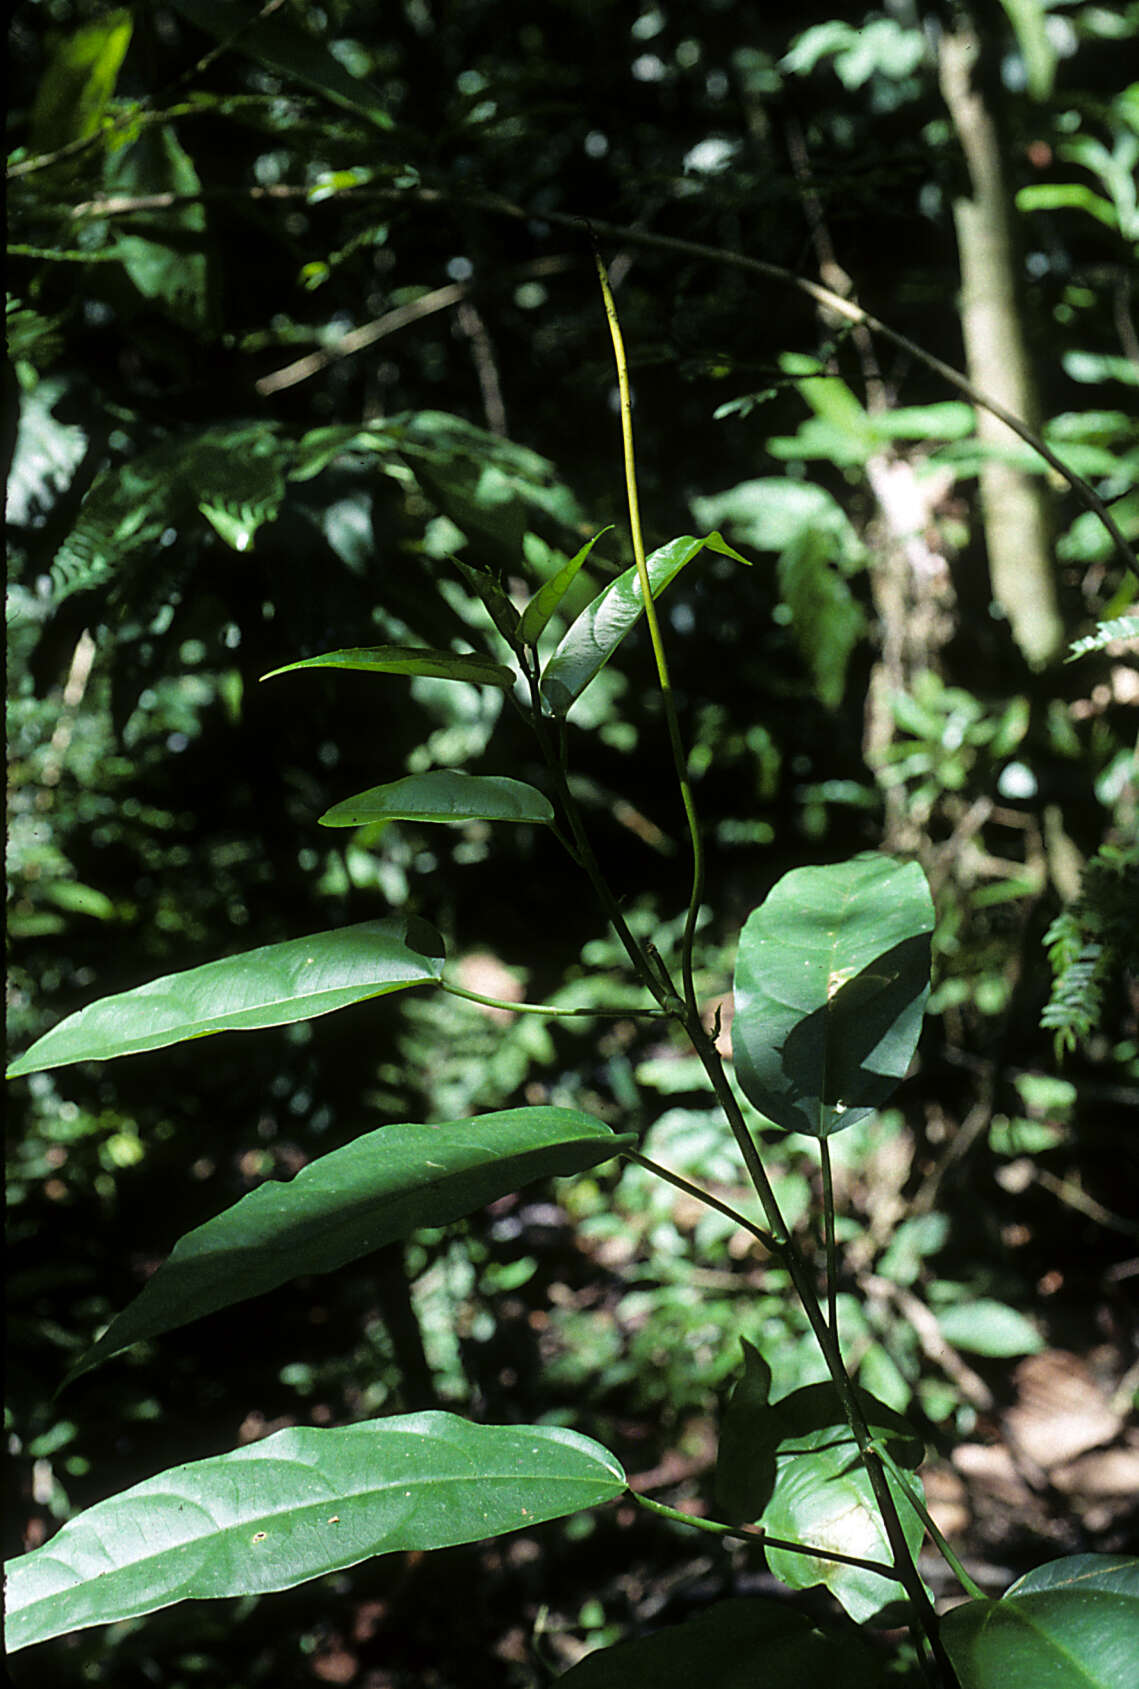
[
  {"x": 679, "y": 758},
  {"x": 925, "y": 1619},
  {"x": 656, "y": 978},
  {"x": 541, "y": 1008},
  {"x": 828, "y": 1230},
  {"x": 758, "y": 1535},
  {"x": 55, "y": 255},
  {"x": 923, "y": 1623},
  {"x": 703, "y": 1196},
  {"x": 914, "y": 1498}
]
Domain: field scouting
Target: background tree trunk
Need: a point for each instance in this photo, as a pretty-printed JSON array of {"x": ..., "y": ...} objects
[{"x": 1014, "y": 504}]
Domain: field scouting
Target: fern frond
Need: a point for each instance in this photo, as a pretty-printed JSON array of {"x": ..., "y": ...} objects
[
  {"x": 234, "y": 476},
  {"x": 1106, "y": 633},
  {"x": 1091, "y": 943}
]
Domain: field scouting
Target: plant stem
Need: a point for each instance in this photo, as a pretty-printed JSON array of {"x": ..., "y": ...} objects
[
  {"x": 912, "y": 1496},
  {"x": 828, "y": 1228},
  {"x": 655, "y": 977},
  {"x": 924, "y": 1616},
  {"x": 923, "y": 1622},
  {"x": 680, "y": 761},
  {"x": 703, "y": 1196},
  {"x": 757, "y": 1535},
  {"x": 539, "y": 1008}
]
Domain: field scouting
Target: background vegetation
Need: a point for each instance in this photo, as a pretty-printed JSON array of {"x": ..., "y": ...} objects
[{"x": 301, "y": 311}]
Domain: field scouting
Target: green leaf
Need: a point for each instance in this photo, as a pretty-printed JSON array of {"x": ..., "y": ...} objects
[
  {"x": 79, "y": 81},
  {"x": 494, "y": 597},
  {"x": 231, "y": 474},
  {"x": 758, "y": 1433},
  {"x": 831, "y": 400},
  {"x": 409, "y": 659},
  {"x": 597, "y": 632},
  {"x": 986, "y": 1327},
  {"x": 825, "y": 616},
  {"x": 273, "y": 986},
  {"x": 374, "y": 1191},
  {"x": 745, "y": 1464},
  {"x": 804, "y": 1469},
  {"x": 240, "y": 491},
  {"x": 163, "y": 254},
  {"x": 771, "y": 513},
  {"x": 293, "y": 52},
  {"x": 296, "y": 1505},
  {"x": 752, "y": 1643},
  {"x": 445, "y": 794},
  {"x": 1120, "y": 627},
  {"x": 1064, "y": 196},
  {"x": 492, "y": 489},
  {"x": 831, "y": 982},
  {"x": 1073, "y": 1623},
  {"x": 545, "y": 601}
]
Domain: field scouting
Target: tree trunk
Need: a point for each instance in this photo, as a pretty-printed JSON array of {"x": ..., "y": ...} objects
[{"x": 1014, "y": 504}]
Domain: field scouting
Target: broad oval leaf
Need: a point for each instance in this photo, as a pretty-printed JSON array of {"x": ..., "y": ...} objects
[
  {"x": 824, "y": 1498},
  {"x": 533, "y": 620},
  {"x": 1073, "y": 1622},
  {"x": 602, "y": 625},
  {"x": 988, "y": 1327},
  {"x": 757, "y": 1434},
  {"x": 445, "y": 794},
  {"x": 793, "y": 1466},
  {"x": 273, "y": 986},
  {"x": 300, "y": 1503},
  {"x": 831, "y": 982},
  {"x": 347, "y": 1204},
  {"x": 409, "y": 659},
  {"x": 752, "y": 1643}
]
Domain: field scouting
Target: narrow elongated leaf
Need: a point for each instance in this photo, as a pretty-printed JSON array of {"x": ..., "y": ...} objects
[
  {"x": 1073, "y": 1622},
  {"x": 347, "y": 1204},
  {"x": 446, "y": 794},
  {"x": 292, "y": 52},
  {"x": 409, "y": 659},
  {"x": 273, "y": 986},
  {"x": 602, "y": 625},
  {"x": 831, "y": 982},
  {"x": 545, "y": 601},
  {"x": 493, "y": 596},
  {"x": 753, "y": 1643},
  {"x": 301, "y": 1503}
]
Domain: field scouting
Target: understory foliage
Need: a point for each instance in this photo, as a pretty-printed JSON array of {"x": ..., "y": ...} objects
[{"x": 687, "y": 990}]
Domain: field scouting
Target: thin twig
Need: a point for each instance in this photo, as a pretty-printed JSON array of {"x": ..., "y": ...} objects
[
  {"x": 679, "y": 759},
  {"x": 543, "y": 1008},
  {"x": 357, "y": 338},
  {"x": 495, "y": 205},
  {"x": 756, "y": 1534},
  {"x": 703, "y": 1196},
  {"x": 301, "y": 369}
]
